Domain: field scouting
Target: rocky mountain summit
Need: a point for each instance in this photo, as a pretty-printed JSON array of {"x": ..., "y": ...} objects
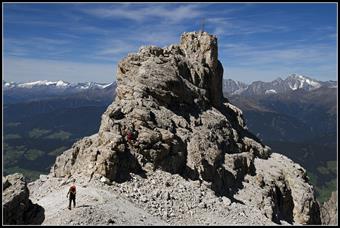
[{"x": 171, "y": 144}]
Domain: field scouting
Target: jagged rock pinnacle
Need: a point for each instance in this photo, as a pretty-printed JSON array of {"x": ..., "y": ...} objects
[
  {"x": 195, "y": 60},
  {"x": 201, "y": 48}
]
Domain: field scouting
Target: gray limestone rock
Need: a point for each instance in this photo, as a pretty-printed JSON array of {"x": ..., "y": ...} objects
[
  {"x": 170, "y": 114},
  {"x": 329, "y": 210},
  {"x": 17, "y": 207}
]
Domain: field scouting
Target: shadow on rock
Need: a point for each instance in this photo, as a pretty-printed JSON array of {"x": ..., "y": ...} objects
[{"x": 35, "y": 215}]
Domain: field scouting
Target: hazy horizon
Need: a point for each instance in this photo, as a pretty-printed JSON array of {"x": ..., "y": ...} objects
[{"x": 84, "y": 41}]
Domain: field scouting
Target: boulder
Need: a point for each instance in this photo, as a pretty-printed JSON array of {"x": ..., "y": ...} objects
[{"x": 18, "y": 209}]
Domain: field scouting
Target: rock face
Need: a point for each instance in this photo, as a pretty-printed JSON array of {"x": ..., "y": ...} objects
[
  {"x": 170, "y": 101},
  {"x": 329, "y": 210},
  {"x": 284, "y": 190},
  {"x": 17, "y": 207}
]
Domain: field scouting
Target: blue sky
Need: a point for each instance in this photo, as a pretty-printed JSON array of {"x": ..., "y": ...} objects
[{"x": 84, "y": 42}]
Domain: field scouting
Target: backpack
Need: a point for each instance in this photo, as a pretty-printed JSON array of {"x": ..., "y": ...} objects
[
  {"x": 73, "y": 189},
  {"x": 129, "y": 136}
]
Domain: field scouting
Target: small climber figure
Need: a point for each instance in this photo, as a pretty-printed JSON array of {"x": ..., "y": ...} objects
[
  {"x": 72, "y": 193},
  {"x": 131, "y": 134}
]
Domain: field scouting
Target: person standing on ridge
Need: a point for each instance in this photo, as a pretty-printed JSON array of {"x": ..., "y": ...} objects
[{"x": 72, "y": 193}]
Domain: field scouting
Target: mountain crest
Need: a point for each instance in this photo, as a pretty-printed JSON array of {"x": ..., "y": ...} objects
[
  {"x": 170, "y": 115},
  {"x": 60, "y": 84},
  {"x": 278, "y": 86}
]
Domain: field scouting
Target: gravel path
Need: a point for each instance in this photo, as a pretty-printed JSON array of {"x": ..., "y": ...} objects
[
  {"x": 157, "y": 199},
  {"x": 94, "y": 206}
]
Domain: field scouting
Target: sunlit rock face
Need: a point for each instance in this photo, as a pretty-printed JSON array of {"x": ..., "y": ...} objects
[{"x": 171, "y": 100}]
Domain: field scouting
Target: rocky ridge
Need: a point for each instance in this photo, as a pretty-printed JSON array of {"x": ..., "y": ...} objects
[{"x": 171, "y": 99}]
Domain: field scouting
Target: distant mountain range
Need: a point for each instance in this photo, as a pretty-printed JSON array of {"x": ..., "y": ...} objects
[
  {"x": 298, "y": 97},
  {"x": 62, "y": 85},
  {"x": 296, "y": 116},
  {"x": 15, "y": 92},
  {"x": 41, "y": 90},
  {"x": 291, "y": 83}
]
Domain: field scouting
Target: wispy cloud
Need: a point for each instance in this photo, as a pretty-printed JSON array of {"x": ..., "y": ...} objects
[
  {"x": 280, "y": 53},
  {"x": 113, "y": 50},
  {"x": 255, "y": 38},
  {"x": 225, "y": 26},
  {"x": 132, "y": 12},
  {"x": 28, "y": 69},
  {"x": 278, "y": 60},
  {"x": 26, "y": 47}
]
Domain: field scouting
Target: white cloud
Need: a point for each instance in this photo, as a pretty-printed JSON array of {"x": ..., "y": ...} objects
[
  {"x": 247, "y": 61},
  {"x": 227, "y": 26},
  {"x": 284, "y": 54},
  {"x": 25, "y": 69},
  {"x": 89, "y": 38},
  {"x": 269, "y": 61},
  {"x": 25, "y": 47},
  {"x": 250, "y": 74},
  {"x": 115, "y": 48},
  {"x": 138, "y": 14},
  {"x": 129, "y": 41}
]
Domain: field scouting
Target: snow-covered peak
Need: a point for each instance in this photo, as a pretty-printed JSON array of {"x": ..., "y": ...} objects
[
  {"x": 9, "y": 84},
  {"x": 296, "y": 81},
  {"x": 270, "y": 91},
  {"x": 31, "y": 84},
  {"x": 88, "y": 85},
  {"x": 60, "y": 84},
  {"x": 278, "y": 86},
  {"x": 233, "y": 87},
  {"x": 103, "y": 86},
  {"x": 85, "y": 85}
]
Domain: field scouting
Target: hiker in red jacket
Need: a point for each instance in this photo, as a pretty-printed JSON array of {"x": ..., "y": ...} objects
[{"x": 72, "y": 193}]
